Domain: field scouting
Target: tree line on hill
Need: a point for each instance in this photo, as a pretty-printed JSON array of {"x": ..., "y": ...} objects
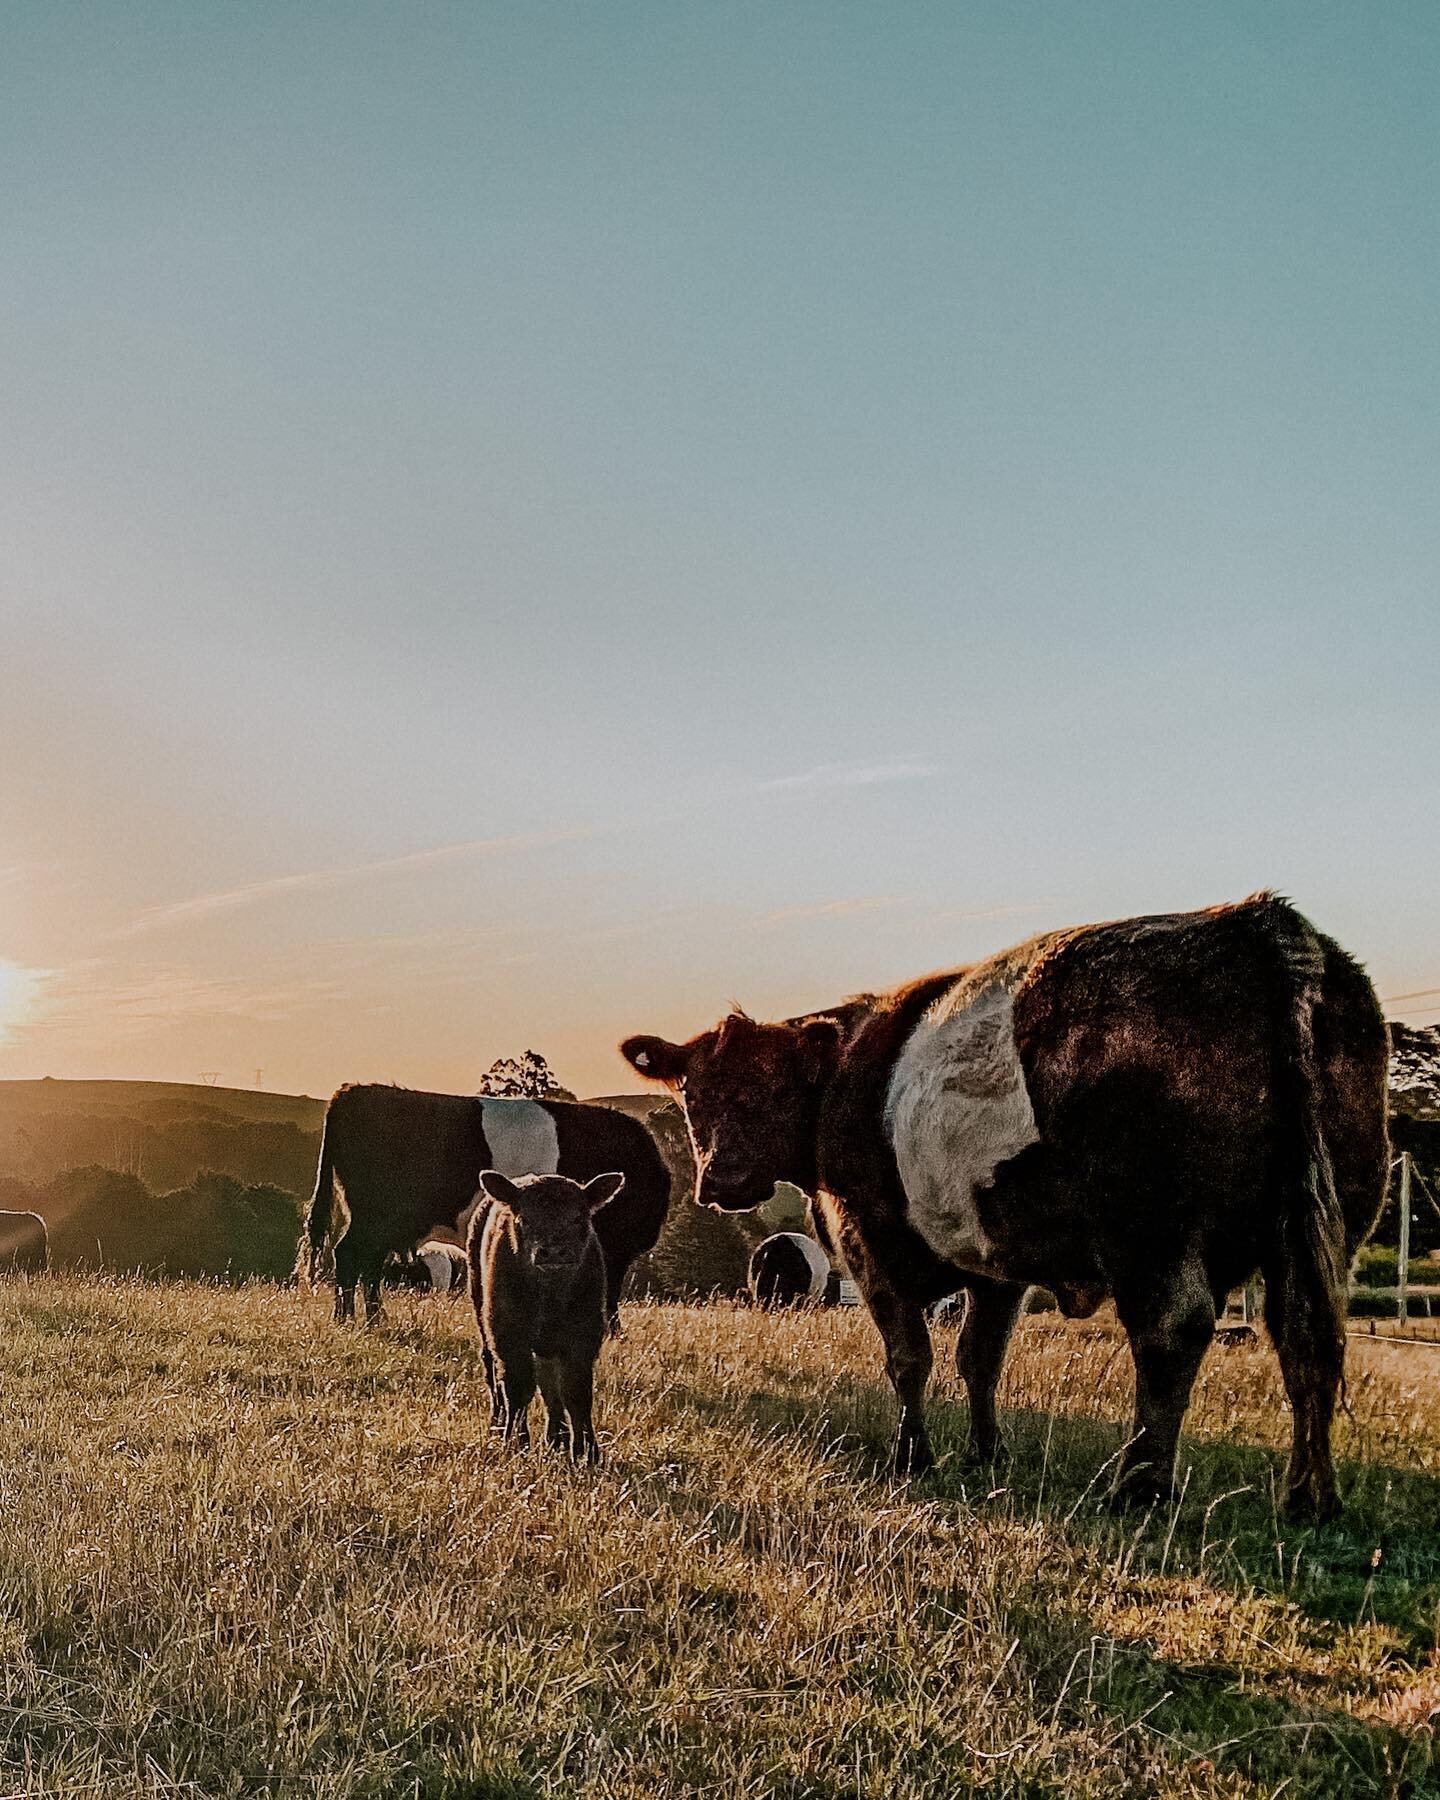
[{"x": 215, "y": 1226}]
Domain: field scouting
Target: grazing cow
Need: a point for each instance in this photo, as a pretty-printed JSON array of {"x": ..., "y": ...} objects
[
  {"x": 409, "y": 1164},
  {"x": 537, "y": 1278},
  {"x": 24, "y": 1243},
  {"x": 788, "y": 1268},
  {"x": 1149, "y": 1109}
]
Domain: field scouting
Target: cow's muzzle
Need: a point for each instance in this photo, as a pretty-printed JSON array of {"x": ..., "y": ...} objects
[{"x": 732, "y": 1191}]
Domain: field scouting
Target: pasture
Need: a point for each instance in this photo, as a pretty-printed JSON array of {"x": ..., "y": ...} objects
[{"x": 245, "y": 1552}]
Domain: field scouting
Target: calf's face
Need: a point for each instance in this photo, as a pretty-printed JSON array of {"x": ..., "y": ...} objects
[
  {"x": 552, "y": 1214},
  {"x": 750, "y": 1093}
]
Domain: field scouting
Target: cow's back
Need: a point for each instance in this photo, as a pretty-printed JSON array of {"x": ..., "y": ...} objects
[
  {"x": 24, "y": 1242},
  {"x": 413, "y": 1157},
  {"x": 596, "y": 1139}
]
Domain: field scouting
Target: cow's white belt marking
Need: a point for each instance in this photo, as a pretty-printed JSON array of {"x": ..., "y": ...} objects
[
  {"x": 957, "y": 1108},
  {"x": 816, "y": 1260},
  {"x": 522, "y": 1137},
  {"x": 523, "y": 1140}
]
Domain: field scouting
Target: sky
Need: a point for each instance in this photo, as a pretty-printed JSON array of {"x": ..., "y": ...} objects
[{"x": 522, "y": 524}]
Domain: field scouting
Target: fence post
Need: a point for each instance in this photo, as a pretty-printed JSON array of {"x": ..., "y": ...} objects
[{"x": 1403, "y": 1269}]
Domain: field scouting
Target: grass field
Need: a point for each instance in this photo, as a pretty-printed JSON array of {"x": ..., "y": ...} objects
[{"x": 243, "y": 1552}]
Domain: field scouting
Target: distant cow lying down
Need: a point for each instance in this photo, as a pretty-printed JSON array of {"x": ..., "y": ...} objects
[
  {"x": 790, "y": 1268},
  {"x": 1150, "y": 1110},
  {"x": 537, "y": 1277},
  {"x": 408, "y": 1164},
  {"x": 24, "y": 1243}
]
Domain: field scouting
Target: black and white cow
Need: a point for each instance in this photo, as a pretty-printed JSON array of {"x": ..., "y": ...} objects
[
  {"x": 445, "y": 1265},
  {"x": 1150, "y": 1109},
  {"x": 408, "y": 1164},
  {"x": 789, "y": 1268}
]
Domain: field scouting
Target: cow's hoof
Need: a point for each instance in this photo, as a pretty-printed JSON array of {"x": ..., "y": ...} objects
[
  {"x": 1304, "y": 1507},
  {"x": 985, "y": 1456},
  {"x": 1139, "y": 1488},
  {"x": 913, "y": 1459}
]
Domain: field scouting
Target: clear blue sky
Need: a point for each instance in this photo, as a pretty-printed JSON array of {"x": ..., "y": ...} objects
[{"x": 842, "y": 487}]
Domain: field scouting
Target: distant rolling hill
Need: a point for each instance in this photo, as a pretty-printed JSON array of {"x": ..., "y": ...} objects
[
  {"x": 164, "y": 1132},
  {"x": 156, "y": 1101}
]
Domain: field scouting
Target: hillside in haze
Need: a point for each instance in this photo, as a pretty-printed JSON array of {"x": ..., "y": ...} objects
[
  {"x": 184, "y": 1179},
  {"x": 166, "y": 1133}
]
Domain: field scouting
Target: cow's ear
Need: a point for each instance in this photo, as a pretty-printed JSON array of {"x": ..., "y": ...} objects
[
  {"x": 819, "y": 1045},
  {"x": 656, "y": 1059},
  {"x": 496, "y": 1186},
  {"x": 602, "y": 1190}
]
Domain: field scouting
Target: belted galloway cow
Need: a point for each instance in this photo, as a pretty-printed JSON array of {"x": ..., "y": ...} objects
[
  {"x": 789, "y": 1268},
  {"x": 1150, "y": 1109},
  {"x": 409, "y": 1164}
]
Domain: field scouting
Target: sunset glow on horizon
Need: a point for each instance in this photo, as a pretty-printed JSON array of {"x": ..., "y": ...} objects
[
  {"x": 522, "y": 528},
  {"x": 18, "y": 991}
]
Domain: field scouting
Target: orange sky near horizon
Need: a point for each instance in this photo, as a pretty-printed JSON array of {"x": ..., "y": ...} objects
[{"x": 520, "y": 527}]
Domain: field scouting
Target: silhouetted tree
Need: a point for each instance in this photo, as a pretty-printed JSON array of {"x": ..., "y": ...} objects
[{"x": 527, "y": 1077}]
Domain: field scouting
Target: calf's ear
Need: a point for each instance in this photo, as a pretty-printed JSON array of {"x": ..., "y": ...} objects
[
  {"x": 602, "y": 1190},
  {"x": 819, "y": 1044},
  {"x": 495, "y": 1186},
  {"x": 656, "y": 1059}
]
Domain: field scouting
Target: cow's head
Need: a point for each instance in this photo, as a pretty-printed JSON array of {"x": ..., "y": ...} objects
[
  {"x": 552, "y": 1214},
  {"x": 751, "y": 1096}
]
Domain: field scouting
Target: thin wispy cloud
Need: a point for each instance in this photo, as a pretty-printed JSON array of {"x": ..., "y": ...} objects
[
  {"x": 826, "y": 909},
  {"x": 955, "y": 915},
  {"x": 199, "y": 907},
  {"x": 133, "y": 1002},
  {"x": 847, "y": 775},
  {"x": 204, "y": 906}
]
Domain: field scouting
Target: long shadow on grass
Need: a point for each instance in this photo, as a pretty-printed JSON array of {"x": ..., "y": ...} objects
[
  {"x": 1380, "y": 1560},
  {"x": 1225, "y": 1529},
  {"x": 1214, "y": 1712}
]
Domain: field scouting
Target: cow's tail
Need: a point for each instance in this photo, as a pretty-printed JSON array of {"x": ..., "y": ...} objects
[
  {"x": 316, "y": 1231},
  {"x": 1309, "y": 1257}
]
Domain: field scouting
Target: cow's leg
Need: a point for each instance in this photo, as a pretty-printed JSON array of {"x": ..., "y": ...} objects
[
  {"x": 492, "y": 1388},
  {"x": 577, "y": 1381},
  {"x": 990, "y": 1317},
  {"x": 517, "y": 1390},
  {"x": 347, "y": 1274},
  {"x": 370, "y": 1284},
  {"x": 908, "y": 1360},
  {"x": 1308, "y": 1329},
  {"x": 1170, "y": 1320},
  {"x": 547, "y": 1368}
]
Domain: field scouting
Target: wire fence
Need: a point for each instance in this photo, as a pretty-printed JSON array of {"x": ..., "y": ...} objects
[{"x": 1404, "y": 1293}]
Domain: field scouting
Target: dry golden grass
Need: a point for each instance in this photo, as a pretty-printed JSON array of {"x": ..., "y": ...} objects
[{"x": 244, "y": 1552}]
